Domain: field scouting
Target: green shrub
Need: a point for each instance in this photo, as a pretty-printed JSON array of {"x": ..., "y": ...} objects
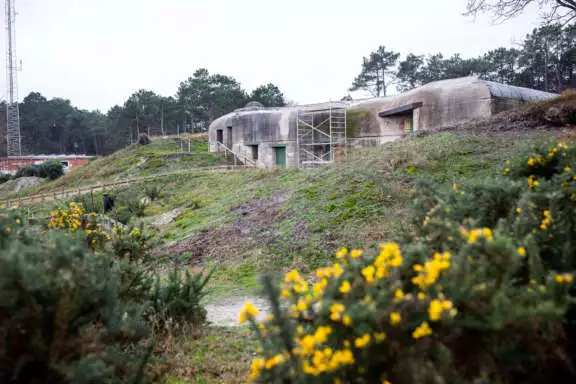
[
  {"x": 121, "y": 214},
  {"x": 178, "y": 299},
  {"x": 131, "y": 244},
  {"x": 5, "y": 177},
  {"x": 77, "y": 311},
  {"x": 61, "y": 315},
  {"x": 479, "y": 290},
  {"x": 153, "y": 191},
  {"x": 27, "y": 171},
  {"x": 51, "y": 169},
  {"x": 135, "y": 204}
]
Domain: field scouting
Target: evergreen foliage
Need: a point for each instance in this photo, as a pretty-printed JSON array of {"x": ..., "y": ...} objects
[
  {"x": 51, "y": 170},
  {"x": 479, "y": 290},
  {"x": 78, "y": 303}
]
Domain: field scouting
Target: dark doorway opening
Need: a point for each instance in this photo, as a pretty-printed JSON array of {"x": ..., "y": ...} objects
[
  {"x": 254, "y": 152},
  {"x": 220, "y": 136},
  {"x": 229, "y": 137}
]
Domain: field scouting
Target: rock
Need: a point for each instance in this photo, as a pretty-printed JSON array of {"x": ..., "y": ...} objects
[
  {"x": 554, "y": 116},
  {"x": 167, "y": 218},
  {"x": 20, "y": 183}
]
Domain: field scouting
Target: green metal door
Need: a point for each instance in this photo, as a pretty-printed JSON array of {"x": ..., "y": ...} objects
[{"x": 280, "y": 156}]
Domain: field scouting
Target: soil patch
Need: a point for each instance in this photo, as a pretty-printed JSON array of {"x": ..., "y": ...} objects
[
  {"x": 254, "y": 226},
  {"x": 20, "y": 183}
]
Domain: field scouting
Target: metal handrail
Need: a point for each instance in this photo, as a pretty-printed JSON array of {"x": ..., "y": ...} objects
[{"x": 237, "y": 155}]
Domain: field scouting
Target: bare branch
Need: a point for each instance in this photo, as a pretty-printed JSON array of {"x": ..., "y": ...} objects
[{"x": 503, "y": 10}]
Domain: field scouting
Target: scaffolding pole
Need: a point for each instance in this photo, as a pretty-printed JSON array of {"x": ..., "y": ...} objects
[{"x": 319, "y": 132}]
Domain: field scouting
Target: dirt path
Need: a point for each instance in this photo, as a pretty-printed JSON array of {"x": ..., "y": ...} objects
[{"x": 224, "y": 312}]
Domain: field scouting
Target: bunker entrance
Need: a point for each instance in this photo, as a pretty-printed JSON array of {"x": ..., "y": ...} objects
[{"x": 404, "y": 115}]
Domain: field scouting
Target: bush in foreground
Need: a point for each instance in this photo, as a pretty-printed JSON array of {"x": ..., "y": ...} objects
[
  {"x": 77, "y": 306},
  {"x": 478, "y": 292}
]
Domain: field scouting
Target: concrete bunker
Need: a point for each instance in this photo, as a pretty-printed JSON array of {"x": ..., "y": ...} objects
[{"x": 312, "y": 135}]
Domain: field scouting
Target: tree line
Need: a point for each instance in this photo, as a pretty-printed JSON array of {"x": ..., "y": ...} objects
[
  {"x": 56, "y": 126},
  {"x": 545, "y": 60}
]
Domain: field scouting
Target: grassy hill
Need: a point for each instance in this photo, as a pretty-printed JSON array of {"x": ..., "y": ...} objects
[
  {"x": 257, "y": 220},
  {"x": 253, "y": 220},
  {"x": 160, "y": 156}
]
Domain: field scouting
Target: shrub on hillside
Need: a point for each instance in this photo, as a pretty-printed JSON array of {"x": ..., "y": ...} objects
[
  {"x": 4, "y": 178},
  {"x": 153, "y": 191},
  {"x": 74, "y": 310},
  {"x": 51, "y": 170},
  {"x": 144, "y": 139},
  {"x": 27, "y": 172},
  {"x": 61, "y": 315},
  {"x": 479, "y": 291},
  {"x": 178, "y": 299}
]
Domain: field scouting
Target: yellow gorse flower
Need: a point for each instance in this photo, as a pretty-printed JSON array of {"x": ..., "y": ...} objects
[
  {"x": 369, "y": 273},
  {"x": 356, "y": 253},
  {"x": 342, "y": 253},
  {"x": 336, "y": 311},
  {"x": 345, "y": 287},
  {"x": 546, "y": 220},
  {"x": 475, "y": 234},
  {"x": 429, "y": 273},
  {"x": 438, "y": 307},
  {"x": 395, "y": 318},
  {"x": 248, "y": 312},
  {"x": 423, "y": 330},
  {"x": 565, "y": 278},
  {"x": 363, "y": 341}
]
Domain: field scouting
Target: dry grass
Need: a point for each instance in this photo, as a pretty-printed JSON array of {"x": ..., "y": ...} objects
[
  {"x": 536, "y": 111},
  {"x": 210, "y": 355}
]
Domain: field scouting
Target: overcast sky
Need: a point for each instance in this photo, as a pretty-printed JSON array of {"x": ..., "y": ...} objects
[{"x": 97, "y": 52}]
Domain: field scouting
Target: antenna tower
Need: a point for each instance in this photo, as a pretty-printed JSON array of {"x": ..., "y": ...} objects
[{"x": 12, "y": 111}]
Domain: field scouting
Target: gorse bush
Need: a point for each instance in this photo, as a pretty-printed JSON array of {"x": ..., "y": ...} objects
[
  {"x": 153, "y": 191},
  {"x": 61, "y": 315},
  {"x": 178, "y": 299},
  {"x": 78, "y": 302},
  {"x": 480, "y": 290}
]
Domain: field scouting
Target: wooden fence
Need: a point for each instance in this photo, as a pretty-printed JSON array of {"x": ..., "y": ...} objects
[{"x": 18, "y": 201}]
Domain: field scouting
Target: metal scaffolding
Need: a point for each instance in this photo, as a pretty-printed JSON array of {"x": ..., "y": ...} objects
[
  {"x": 320, "y": 132},
  {"x": 12, "y": 110}
]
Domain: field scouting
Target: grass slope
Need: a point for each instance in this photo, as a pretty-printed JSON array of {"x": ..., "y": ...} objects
[
  {"x": 160, "y": 156},
  {"x": 258, "y": 220}
]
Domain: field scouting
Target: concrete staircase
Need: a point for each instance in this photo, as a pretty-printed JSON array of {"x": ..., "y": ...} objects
[{"x": 236, "y": 158}]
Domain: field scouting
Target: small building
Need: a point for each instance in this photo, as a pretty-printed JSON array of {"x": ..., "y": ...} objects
[
  {"x": 11, "y": 165},
  {"x": 312, "y": 135}
]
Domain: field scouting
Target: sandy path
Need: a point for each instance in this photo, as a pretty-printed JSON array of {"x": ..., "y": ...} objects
[{"x": 225, "y": 311}]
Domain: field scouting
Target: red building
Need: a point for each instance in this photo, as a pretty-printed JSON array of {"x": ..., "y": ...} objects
[{"x": 11, "y": 165}]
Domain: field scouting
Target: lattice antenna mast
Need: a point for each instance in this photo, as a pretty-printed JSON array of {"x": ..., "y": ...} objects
[{"x": 12, "y": 110}]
